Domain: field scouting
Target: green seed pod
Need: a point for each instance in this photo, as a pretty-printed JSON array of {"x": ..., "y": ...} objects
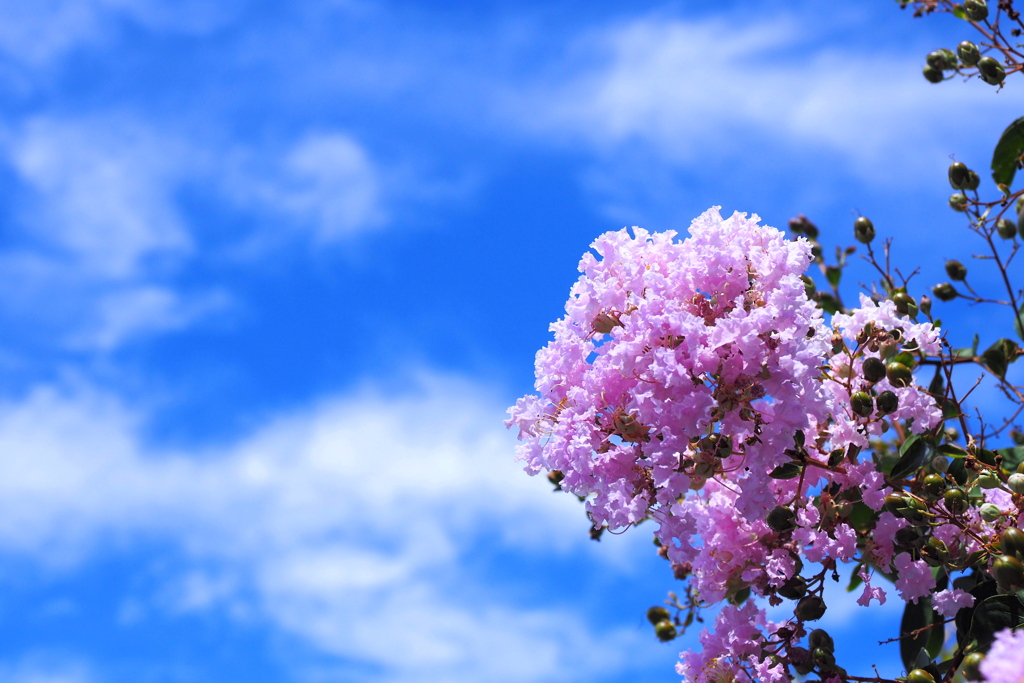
[
  {"x": 1011, "y": 541},
  {"x": 920, "y": 676},
  {"x": 810, "y": 608},
  {"x": 970, "y": 668},
  {"x": 887, "y": 402},
  {"x": 955, "y": 269},
  {"x": 1006, "y": 228},
  {"x": 925, "y": 304},
  {"x": 905, "y": 304},
  {"x": 934, "y": 484},
  {"x": 873, "y": 369},
  {"x": 794, "y": 589},
  {"x": 941, "y": 59},
  {"x": 955, "y": 500},
  {"x": 823, "y": 659},
  {"x": 657, "y": 614},
  {"x": 863, "y": 228},
  {"x": 968, "y": 53},
  {"x": 931, "y": 74},
  {"x": 991, "y": 71},
  {"x": 820, "y": 639},
  {"x": 958, "y": 175},
  {"x": 944, "y": 291},
  {"x": 781, "y": 519},
  {"x": 976, "y": 10},
  {"x": 894, "y": 502},
  {"x": 987, "y": 479},
  {"x": 973, "y": 180},
  {"x": 1016, "y": 483},
  {"x": 958, "y": 201},
  {"x": 990, "y": 512},
  {"x": 862, "y": 404},
  {"x": 898, "y": 374},
  {"x": 665, "y": 630},
  {"x": 908, "y": 537},
  {"x": 1009, "y": 571},
  {"x": 934, "y": 552},
  {"x": 940, "y": 463}
]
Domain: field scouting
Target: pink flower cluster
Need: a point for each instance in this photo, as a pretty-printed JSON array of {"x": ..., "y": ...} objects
[{"x": 682, "y": 382}]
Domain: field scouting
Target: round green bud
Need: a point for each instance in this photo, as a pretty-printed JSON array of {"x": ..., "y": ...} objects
[
  {"x": 1016, "y": 483},
  {"x": 781, "y": 519},
  {"x": 958, "y": 201},
  {"x": 905, "y": 304},
  {"x": 894, "y": 502},
  {"x": 934, "y": 484},
  {"x": 665, "y": 630},
  {"x": 873, "y": 369},
  {"x": 990, "y": 512},
  {"x": 940, "y": 463},
  {"x": 920, "y": 676},
  {"x": 976, "y": 10},
  {"x": 820, "y": 639},
  {"x": 794, "y": 589},
  {"x": 898, "y": 374},
  {"x": 657, "y": 614},
  {"x": 955, "y": 500},
  {"x": 810, "y": 608},
  {"x": 968, "y": 53},
  {"x": 944, "y": 291},
  {"x": 1011, "y": 541},
  {"x": 970, "y": 668},
  {"x": 863, "y": 228},
  {"x": 941, "y": 59},
  {"x": 887, "y": 402},
  {"x": 987, "y": 479},
  {"x": 1008, "y": 570},
  {"x": 1006, "y": 228},
  {"x": 932, "y": 74},
  {"x": 958, "y": 175},
  {"x": 823, "y": 659},
  {"x": 862, "y": 404},
  {"x": 973, "y": 180},
  {"x": 991, "y": 71}
]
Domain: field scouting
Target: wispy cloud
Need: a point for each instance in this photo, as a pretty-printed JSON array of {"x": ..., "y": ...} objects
[{"x": 342, "y": 521}]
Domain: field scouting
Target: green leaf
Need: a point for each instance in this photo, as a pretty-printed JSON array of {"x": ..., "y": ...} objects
[
  {"x": 855, "y": 580},
  {"x": 1011, "y": 457},
  {"x": 833, "y": 274},
  {"x": 999, "y": 356},
  {"x": 861, "y": 517},
  {"x": 917, "y": 616},
  {"x": 993, "y": 615},
  {"x": 958, "y": 471},
  {"x": 1007, "y": 152},
  {"x": 938, "y": 383},
  {"x": 915, "y": 452},
  {"x": 789, "y": 470},
  {"x": 1018, "y": 320},
  {"x": 952, "y": 450},
  {"x": 965, "y": 617}
]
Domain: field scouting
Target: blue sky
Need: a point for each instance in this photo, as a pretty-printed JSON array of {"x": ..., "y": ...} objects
[{"x": 270, "y": 273}]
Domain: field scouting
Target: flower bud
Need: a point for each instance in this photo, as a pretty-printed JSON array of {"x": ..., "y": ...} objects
[
  {"x": 1011, "y": 541},
  {"x": 990, "y": 512},
  {"x": 905, "y": 304},
  {"x": 863, "y": 228},
  {"x": 781, "y": 519},
  {"x": 823, "y": 659},
  {"x": 941, "y": 59},
  {"x": 940, "y": 463},
  {"x": 820, "y": 639},
  {"x": 958, "y": 175},
  {"x": 958, "y": 201},
  {"x": 925, "y": 304},
  {"x": 935, "y": 552},
  {"x": 956, "y": 270},
  {"x": 976, "y": 10},
  {"x": 794, "y": 589},
  {"x": 665, "y": 630},
  {"x": 944, "y": 291},
  {"x": 862, "y": 404},
  {"x": 657, "y": 614},
  {"x": 934, "y": 484},
  {"x": 898, "y": 374},
  {"x": 931, "y": 74},
  {"x": 1006, "y": 228},
  {"x": 991, "y": 71},
  {"x": 955, "y": 500},
  {"x": 920, "y": 676},
  {"x": 970, "y": 668},
  {"x": 987, "y": 479},
  {"x": 887, "y": 402},
  {"x": 968, "y": 53},
  {"x": 810, "y": 608},
  {"x": 894, "y": 502},
  {"x": 1016, "y": 483},
  {"x": 873, "y": 369},
  {"x": 973, "y": 180},
  {"x": 1009, "y": 571}
]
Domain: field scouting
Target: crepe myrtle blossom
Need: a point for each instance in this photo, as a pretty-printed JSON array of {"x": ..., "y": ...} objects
[
  {"x": 1004, "y": 662},
  {"x": 694, "y": 383}
]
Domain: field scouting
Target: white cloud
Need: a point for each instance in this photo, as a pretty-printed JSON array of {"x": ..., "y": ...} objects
[
  {"x": 694, "y": 90},
  {"x": 351, "y": 524}
]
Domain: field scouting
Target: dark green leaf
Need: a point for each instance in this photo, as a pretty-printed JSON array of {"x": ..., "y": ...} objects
[
  {"x": 1011, "y": 457},
  {"x": 993, "y": 615},
  {"x": 913, "y": 455},
  {"x": 965, "y": 617},
  {"x": 861, "y": 517},
  {"x": 1007, "y": 152},
  {"x": 788, "y": 470},
  {"x": 958, "y": 471},
  {"x": 952, "y": 450},
  {"x": 855, "y": 580},
  {"x": 915, "y": 616},
  {"x": 998, "y": 356},
  {"x": 938, "y": 383},
  {"x": 833, "y": 274},
  {"x": 986, "y": 456}
]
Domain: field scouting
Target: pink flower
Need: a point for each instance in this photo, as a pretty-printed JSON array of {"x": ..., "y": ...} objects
[
  {"x": 949, "y": 602},
  {"x": 915, "y": 578},
  {"x": 1004, "y": 662}
]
